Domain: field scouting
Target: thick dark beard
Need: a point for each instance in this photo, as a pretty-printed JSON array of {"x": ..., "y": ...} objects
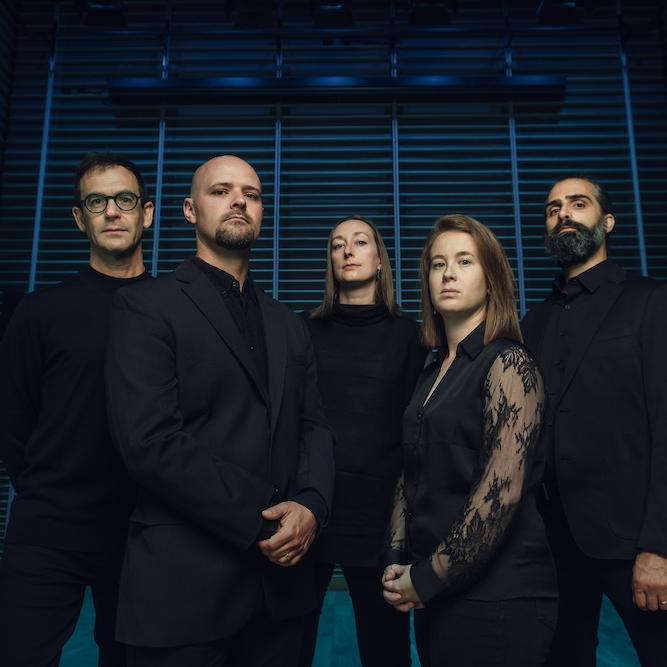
[
  {"x": 574, "y": 247},
  {"x": 237, "y": 239}
]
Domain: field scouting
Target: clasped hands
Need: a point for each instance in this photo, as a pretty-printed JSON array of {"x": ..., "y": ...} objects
[
  {"x": 398, "y": 589},
  {"x": 297, "y": 526}
]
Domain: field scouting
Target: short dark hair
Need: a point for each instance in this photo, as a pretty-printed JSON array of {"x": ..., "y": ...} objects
[
  {"x": 599, "y": 191},
  {"x": 94, "y": 161}
]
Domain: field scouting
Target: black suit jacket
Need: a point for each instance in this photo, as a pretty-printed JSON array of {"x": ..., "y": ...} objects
[
  {"x": 610, "y": 420},
  {"x": 209, "y": 450}
]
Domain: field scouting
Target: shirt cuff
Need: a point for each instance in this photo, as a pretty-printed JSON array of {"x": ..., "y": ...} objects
[
  {"x": 315, "y": 503},
  {"x": 391, "y": 556},
  {"x": 425, "y": 581}
]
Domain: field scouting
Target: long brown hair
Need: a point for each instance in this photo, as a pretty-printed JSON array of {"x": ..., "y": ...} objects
[
  {"x": 384, "y": 286},
  {"x": 502, "y": 320}
]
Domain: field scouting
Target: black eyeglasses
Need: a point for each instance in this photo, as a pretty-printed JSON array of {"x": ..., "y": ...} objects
[{"x": 96, "y": 203}]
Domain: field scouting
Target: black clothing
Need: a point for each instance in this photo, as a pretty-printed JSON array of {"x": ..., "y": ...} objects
[
  {"x": 244, "y": 309},
  {"x": 210, "y": 446},
  {"x": 606, "y": 494},
  {"x": 263, "y": 642},
  {"x": 383, "y": 634},
  {"x": 476, "y": 633},
  {"x": 581, "y": 582},
  {"x": 68, "y": 520},
  {"x": 367, "y": 366},
  {"x": 41, "y": 593},
  {"x": 466, "y": 514},
  {"x": 72, "y": 491}
]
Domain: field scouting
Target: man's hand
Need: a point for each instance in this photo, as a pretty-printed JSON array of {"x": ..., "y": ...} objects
[
  {"x": 296, "y": 532},
  {"x": 649, "y": 581},
  {"x": 398, "y": 589}
]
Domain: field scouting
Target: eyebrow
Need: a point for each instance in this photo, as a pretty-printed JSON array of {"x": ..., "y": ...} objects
[
  {"x": 231, "y": 185},
  {"x": 569, "y": 198},
  {"x": 458, "y": 254},
  {"x": 342, "y": 238}
]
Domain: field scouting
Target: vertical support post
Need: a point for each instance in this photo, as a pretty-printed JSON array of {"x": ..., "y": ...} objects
[
  {"x": 634, "y": 168},
  {"x": 41, "y": 179},
  {"x": 516, "y": 202},
  {"x": 398, "y": 279},
  {"x": 276, "y": 170},
  {"x": 160, "y": 162}
]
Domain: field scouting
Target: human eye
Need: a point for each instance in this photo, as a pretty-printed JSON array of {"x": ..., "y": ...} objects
[
  {"x": 125, "y": 198},
  {"x": 361, "y": 241},
  {"x": 253, "y": 196},
  {"x": 465, "y": 261},
  {"x": 437, "y": 265},
  {"x": 337, "y": 245},
  {"x": 579, "y": 203},
  {"x": 552, "y": 210},
  {"x": 95, "y": 201},
  {"x": 219, "y": 191}
]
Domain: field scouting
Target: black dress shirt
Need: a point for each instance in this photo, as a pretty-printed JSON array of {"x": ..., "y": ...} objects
[
  {"x": 466, "y": 514},
  {"x": 244, "y": 309}
]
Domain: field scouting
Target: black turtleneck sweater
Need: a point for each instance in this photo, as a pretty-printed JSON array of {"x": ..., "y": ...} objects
[
  {"x": 71, "y": 489},
  {"x": 368, "y": 363}
]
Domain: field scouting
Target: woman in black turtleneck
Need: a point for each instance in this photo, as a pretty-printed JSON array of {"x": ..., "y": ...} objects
[{"x": 368, "y": 360}]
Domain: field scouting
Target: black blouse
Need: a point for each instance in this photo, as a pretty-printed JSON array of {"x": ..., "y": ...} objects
[{"x": 465, "y": 514}]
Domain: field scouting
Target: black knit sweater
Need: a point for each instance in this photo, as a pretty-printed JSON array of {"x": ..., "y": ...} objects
[
  {"x": 72, "y": 491},
  {"x": 367, "y": 363}
]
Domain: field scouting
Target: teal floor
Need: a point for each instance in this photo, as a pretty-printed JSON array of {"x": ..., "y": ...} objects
[{"x": 336, "y": 645}]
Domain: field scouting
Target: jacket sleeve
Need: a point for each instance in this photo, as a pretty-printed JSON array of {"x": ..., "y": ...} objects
[
  {"x": 653, "y": 535},
  {"x": 168, "y": 463},
  {"x": 21, "y": 357},
  {"x": 315, "y": 477}
]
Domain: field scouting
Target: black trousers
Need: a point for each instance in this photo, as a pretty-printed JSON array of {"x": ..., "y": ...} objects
[
  {"x": 472, "y": 633},
  {"x": 582, "y": 581},
  {"x": 383, "y": 634},
  {"x": 41, "y": 593},
  {"x": 263, "y": 642}
]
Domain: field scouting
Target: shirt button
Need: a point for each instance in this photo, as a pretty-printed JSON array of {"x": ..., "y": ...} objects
[
  {"x": 234, "y": 283},
  {"x": 420, "y": 414},
  {"x": 252, "y": 348},
  {"x": 568, "y": 306}
]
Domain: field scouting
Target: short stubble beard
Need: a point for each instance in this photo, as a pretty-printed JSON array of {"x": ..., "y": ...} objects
[
  {"x": 235, "y": 238},
  {"x": 574, "y": 247}
]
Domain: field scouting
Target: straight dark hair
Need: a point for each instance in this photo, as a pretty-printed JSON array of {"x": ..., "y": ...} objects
[
  {"x": 101, "y": 161},
  {"x": 502, "y": 320},
  {"x": 599, "y": 191},
  {"x": 384, "y": 286}
]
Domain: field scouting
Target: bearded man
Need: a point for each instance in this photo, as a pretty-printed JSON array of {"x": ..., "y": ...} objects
[
  {"x": 213, "y": 404},
  {"x": 599, "y": 339}
]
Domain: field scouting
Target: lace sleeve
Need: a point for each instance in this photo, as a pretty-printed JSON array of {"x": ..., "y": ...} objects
[
  {"x": 395, "y": 542},
  {"x": 513, "y": 404}
]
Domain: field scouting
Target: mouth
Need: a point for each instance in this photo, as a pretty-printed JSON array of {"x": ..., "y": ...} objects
[
  {"x": 448, "y": 292},
  {"x": 567, "y": 230},
  {"x": 237, "y": 218},
  {"x": 113, "y": 230},
  {"x": 350, "y": 266}
]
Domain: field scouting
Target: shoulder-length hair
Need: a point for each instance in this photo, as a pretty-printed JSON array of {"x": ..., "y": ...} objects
[
  {"x": 384, "y": 286},
  {"x": 502, "y": 320}
]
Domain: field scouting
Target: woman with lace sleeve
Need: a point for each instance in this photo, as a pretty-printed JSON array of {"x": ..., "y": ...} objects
[{"x": 467, "y": 547}]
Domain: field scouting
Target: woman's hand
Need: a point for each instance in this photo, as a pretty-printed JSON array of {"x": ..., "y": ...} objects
[{"x": 398, "y": 589}]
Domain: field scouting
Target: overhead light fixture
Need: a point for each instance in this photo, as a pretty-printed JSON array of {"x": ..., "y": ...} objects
[
  {"x": 331, "y": 14},
  {"x": 101, "y": 13},
  {"x": 558, "y": 12}
]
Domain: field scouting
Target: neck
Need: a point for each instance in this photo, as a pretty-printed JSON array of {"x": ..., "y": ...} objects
[
  {"x": 358, "y": 295},
  {"x": 234, "y": 262},
  {"x": 118, "y": 266},
  {"x": 458, "y": 328},
  {"x": 578, "y": 269}
]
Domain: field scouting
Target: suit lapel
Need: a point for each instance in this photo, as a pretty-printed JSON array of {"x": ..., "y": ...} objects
[
  {"x": 607, "y": 294},
  {"x": 276, "y": 351},
  {"x": 201, "y": 292}
]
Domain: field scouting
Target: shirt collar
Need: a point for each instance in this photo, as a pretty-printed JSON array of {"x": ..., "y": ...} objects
[
  {"x": 225, "y": 280},
  {"x": 473, "y": 343},
  {"x": 590, "y": 280}
]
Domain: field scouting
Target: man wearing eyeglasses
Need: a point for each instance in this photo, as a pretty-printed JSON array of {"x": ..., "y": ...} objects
[{"x": 69, "y": 516}]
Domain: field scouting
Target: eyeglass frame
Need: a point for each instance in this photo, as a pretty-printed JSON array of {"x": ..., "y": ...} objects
[{"x": 108, "y": 198}]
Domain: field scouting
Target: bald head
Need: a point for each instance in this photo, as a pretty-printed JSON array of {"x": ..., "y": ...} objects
[{"x": 207, "y": 173}]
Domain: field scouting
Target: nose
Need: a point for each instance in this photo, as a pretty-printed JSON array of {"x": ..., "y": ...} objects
[
  {"x": 111, "y": 210},
  {"x": 239, "y": 201},
  {"x": 448, "y": 273},
  {"x": 348, "y": 251}
]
